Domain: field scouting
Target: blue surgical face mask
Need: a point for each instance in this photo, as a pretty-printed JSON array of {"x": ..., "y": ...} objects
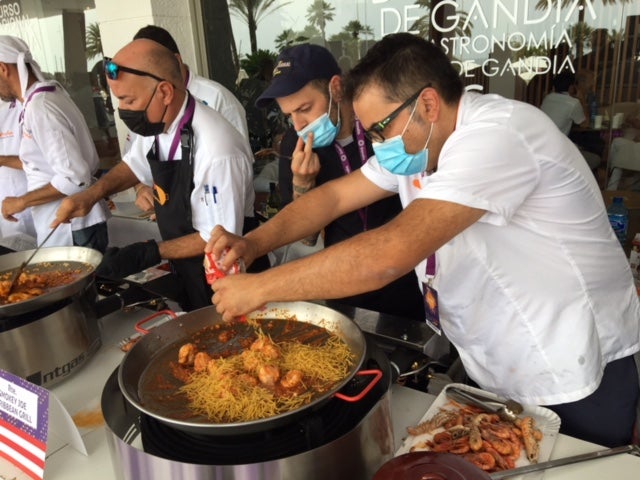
[
  {"x": 392, "y": 156},
  {"x": 323, "y": 129}
]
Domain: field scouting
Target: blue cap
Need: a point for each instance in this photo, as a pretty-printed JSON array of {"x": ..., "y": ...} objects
[{"x": 295, "y": 67}]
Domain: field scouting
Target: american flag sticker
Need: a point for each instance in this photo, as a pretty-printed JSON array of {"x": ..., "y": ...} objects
[{"x": 24, "y": 424}]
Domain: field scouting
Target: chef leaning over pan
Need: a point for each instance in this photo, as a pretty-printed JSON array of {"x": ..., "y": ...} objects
[
  {"x": 57, "y": 151},
  {"x": 506, "y": 224},
  {"x": 199, "y": 164}
]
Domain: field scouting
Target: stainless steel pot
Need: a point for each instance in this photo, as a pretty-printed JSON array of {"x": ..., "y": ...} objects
[
  {"x": 174, "y": 333},
  {"x": 48, "y": 338},
  {"x": 52, "y": 343}
]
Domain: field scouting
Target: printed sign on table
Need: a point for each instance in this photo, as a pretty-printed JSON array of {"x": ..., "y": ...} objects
[{"x": 24, "y": 424}]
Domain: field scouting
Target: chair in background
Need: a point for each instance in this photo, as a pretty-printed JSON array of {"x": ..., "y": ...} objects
[{"x": 624, "y": 155}]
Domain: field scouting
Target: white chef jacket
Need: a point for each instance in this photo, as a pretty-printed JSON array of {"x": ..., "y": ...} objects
[
  {"x": 13, "y": 182},
  {"x": 222, "y": 165},
  {"x": 57, "y": 148},
  {"x": 564, "y": 110},
  {"x": 214, "y": 95},
  {"x": 537, "y": 295}
]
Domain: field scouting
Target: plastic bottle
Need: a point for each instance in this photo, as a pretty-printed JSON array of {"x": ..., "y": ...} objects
[
  {"x": 273, "y": 200},
  {"x": 593, "y": 110},
  {"x": 619, "y": 218}
]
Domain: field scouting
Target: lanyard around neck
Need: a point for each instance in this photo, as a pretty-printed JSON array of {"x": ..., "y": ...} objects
[
  {"x": 46, "y": 88},
  {"x": 346, "y": 166},
  {"x": 186, "y": 118}
]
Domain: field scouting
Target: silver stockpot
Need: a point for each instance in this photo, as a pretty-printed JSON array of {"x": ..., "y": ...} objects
[{"x": 48, "y": 338}]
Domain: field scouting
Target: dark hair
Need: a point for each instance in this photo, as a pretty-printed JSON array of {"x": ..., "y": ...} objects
[
  {"x": 402, "y": 63},
  {"x": 563, "y": 81},
  {"x": 158, "y": 34}
]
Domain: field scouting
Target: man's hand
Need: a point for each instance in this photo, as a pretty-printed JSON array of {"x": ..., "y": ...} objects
[
  {"x": 118, "y": 263},
  {"x": 11, "y": 206},
  {"x": 232, "y": 247},
  {"x": 305, "y": 165},
  {"x": 236, "y": 295},
  {"x": 144, "y": 197},
  {"x": 77, "y": 205}
]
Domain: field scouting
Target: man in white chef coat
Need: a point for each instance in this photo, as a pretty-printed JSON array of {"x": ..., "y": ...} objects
[
  {"x": 57, "y": 152},
  {"x": 209, "y": 92},
  {"x": 13, "y": 181},
  {"x": 200, "y": 165}
]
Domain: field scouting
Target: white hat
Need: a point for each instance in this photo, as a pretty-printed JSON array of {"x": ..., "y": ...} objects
[{"x": 14, "y": 50}]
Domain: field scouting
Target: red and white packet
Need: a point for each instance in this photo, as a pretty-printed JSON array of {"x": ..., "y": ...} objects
[{"x": 213, "y": 268}]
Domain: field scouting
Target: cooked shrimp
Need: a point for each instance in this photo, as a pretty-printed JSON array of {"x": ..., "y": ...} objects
[
  {"x": 187, "y": 354},
  {"x": 266, "y": 347},
  {"x": 268, "y": 374},
  {"x": 201, "y": 361},
  {"x": 529, "y": 433},
  {"x": 485, "y": 461},
  {"x": 291, "y": 379}
]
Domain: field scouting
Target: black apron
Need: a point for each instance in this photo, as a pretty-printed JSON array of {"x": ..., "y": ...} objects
[{"x": 173, "y": 184}]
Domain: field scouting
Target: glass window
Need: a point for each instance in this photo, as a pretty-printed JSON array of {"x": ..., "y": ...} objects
[{"x": 64, "y": 39}]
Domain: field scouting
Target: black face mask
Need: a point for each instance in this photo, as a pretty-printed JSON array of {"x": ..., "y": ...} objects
[{"x": 138, "y": 122}]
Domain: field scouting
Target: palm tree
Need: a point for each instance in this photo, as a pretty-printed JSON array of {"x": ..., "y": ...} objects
[
  {"x": 287, "y": 38},
  {"x": 93, "y": 47},
  {"x": 355, "y": 28},
  {"x": 581, "y": 26},
  {"x": 318, "y": 14},
  {"x": 252, "y": 12}
]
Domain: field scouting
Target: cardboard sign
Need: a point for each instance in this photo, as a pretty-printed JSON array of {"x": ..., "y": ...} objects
[{"x": 24, "y": 424}]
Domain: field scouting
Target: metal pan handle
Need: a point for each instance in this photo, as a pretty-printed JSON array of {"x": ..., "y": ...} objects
[{"x": 377, "y": 375}]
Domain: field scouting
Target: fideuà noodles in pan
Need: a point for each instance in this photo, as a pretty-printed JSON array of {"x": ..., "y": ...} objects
[{"x": 238, "y": 372}]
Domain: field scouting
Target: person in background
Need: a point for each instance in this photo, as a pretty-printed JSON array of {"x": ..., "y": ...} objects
[
  {"x": 209, "y": 92},
  {"x": 199, "y": 164},
  {"x": 326, "y": 142},
  {"x": 587, "y": 140},
  {"x": 566, "y": 110},
  {"x": 13, "y": 182},
  {"x": 504, "y": 224},
  {"x": 57, "y": 151}
]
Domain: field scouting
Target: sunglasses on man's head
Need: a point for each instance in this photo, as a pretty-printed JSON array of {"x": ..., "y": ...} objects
[{"x": 112, "y": 69}]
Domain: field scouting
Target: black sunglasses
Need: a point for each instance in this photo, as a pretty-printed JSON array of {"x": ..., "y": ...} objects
[
  {"x": 112, "y": 69},
  {"x": 374, "y": 134}
]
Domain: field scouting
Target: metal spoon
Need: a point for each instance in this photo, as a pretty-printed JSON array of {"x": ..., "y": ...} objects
[{"x": 501, "y": 409}]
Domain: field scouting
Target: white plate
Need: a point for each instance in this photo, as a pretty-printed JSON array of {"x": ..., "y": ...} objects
[{"x": 547, "y": 422}]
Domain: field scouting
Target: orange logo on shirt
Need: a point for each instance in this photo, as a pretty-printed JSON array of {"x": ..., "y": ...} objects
[
  {"x": 160, "y": 195},
  {"x": 417, "y": 184}
]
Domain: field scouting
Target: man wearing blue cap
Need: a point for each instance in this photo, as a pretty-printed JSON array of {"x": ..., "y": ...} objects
[{"x": 327, "y": 142}]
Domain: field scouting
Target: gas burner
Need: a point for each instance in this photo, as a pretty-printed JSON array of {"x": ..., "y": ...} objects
[{"x": 329, "y": 441}]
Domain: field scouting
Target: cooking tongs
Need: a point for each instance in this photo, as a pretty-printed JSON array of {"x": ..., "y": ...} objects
[
  {"x": 20, "y": 269},
  {"x": 507, "y": 410}
]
